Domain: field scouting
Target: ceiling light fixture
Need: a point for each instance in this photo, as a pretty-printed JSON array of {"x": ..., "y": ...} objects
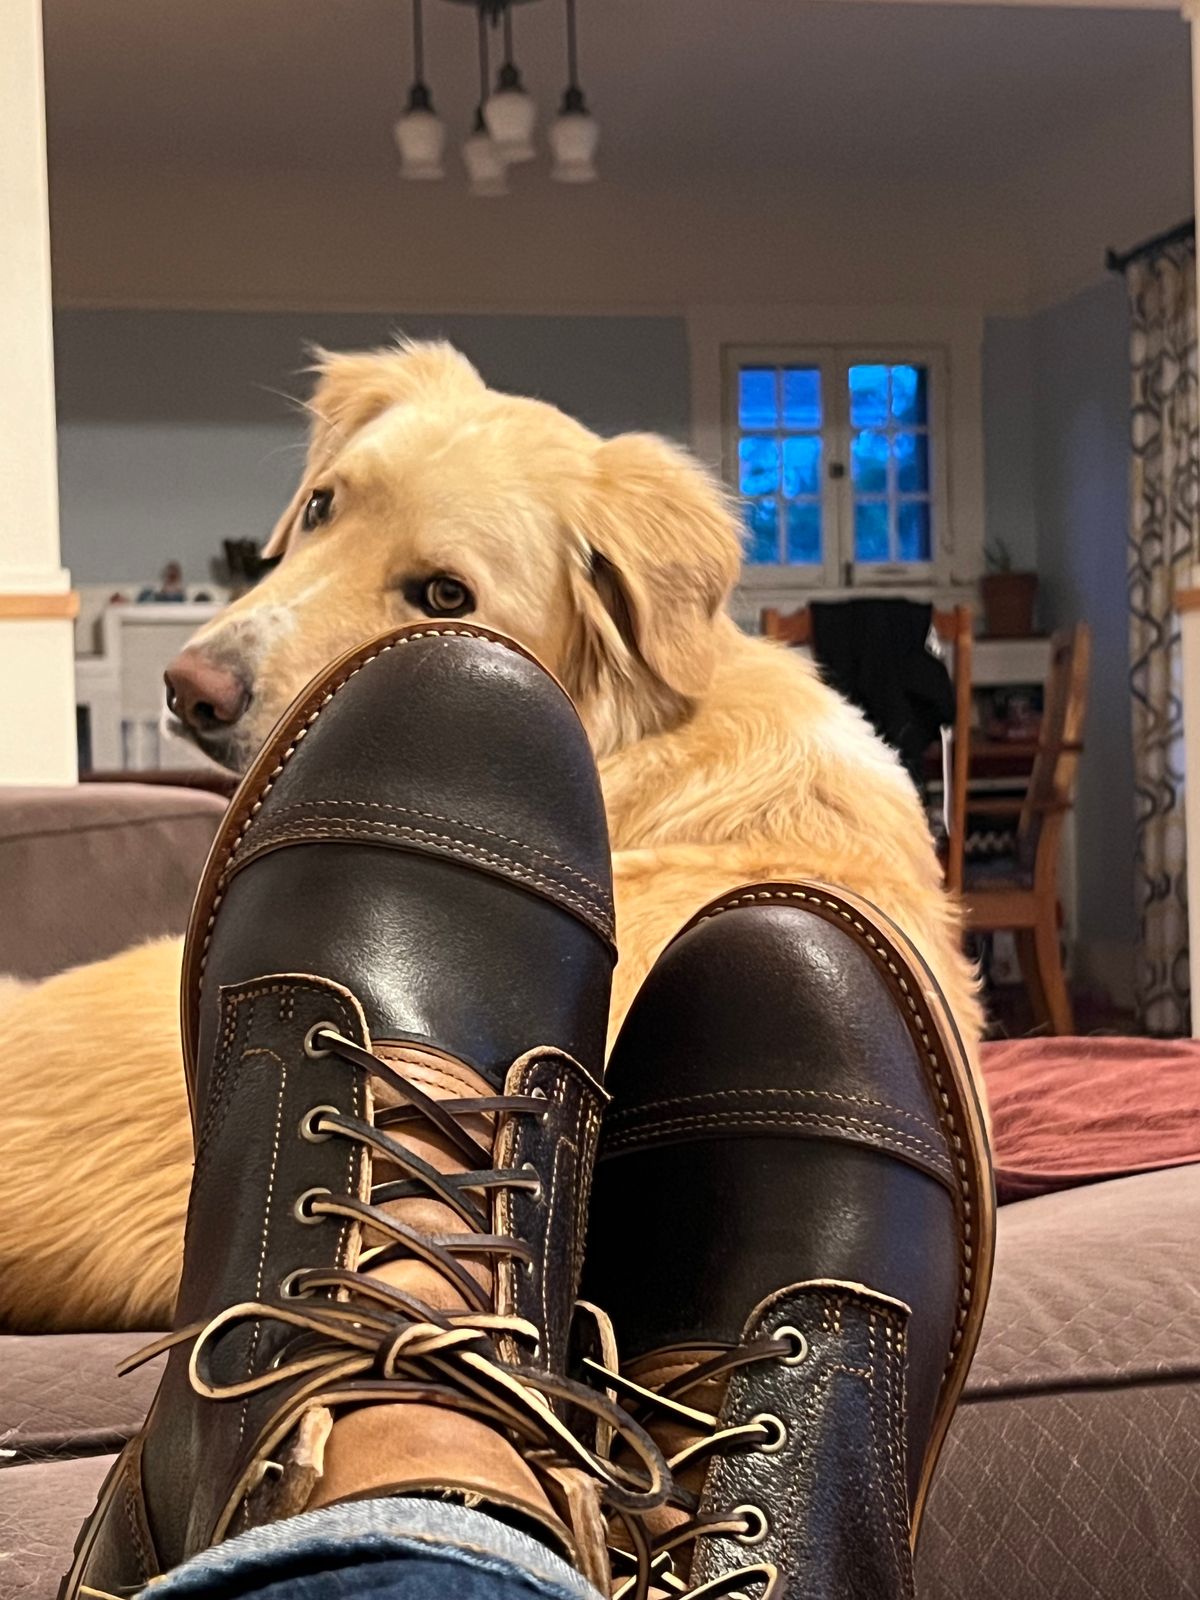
[
  {"x": 502, "y": 131},
  {"x": 420, "y": 132},
  {"x": 485, "y": 165},
  {"x": 510, "y": 113},
  {"x": 575, "y": 134}
]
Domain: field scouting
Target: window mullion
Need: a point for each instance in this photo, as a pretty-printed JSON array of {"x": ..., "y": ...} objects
[
  {"x": 780, "y": 492},
  {"x": 840, "y": 514}
]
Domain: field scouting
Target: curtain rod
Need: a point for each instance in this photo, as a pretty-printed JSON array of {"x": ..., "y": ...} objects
[{"x": 1118, "y": 260}]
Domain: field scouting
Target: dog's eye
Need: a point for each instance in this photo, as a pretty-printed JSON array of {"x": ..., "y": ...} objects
[
  {"x": 443, "y": 596},
  {"x": 320, "y": 504}
]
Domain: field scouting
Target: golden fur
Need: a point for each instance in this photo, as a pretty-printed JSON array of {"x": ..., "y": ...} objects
[{"x": 723, "y": 758}]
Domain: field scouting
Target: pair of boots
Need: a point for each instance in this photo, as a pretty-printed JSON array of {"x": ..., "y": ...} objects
[{"x": 395, "y": 1003}]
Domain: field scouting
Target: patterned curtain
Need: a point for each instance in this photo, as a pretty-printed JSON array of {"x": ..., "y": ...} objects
[{"x": 1164, "y": 546}]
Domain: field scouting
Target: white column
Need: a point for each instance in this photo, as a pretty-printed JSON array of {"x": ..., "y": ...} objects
[{"x": 37, "y": 701}]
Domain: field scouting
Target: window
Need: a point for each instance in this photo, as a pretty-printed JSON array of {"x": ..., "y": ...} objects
[{"x": 838, "y": 458}]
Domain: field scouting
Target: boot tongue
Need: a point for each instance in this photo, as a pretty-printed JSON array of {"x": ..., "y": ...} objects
[
  {"x": 653, "y": 1370},
  {"x": 414, "y": 1448},
  {"x": 441, "y": 1078}
]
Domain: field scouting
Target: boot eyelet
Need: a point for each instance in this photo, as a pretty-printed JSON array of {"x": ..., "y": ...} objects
[
  {"x": 773, "y": 1428},
  {"x": 308, "y": 1124},
  {"x": 527, "y": 1267},
  {"x": 287, "y": 1285},
  {"x": 540, "y": 1094},
  {"x": 798, "y": 1343},
  {"x": 300, "y": 1207},
  {"x": 311, "y": 1048},
  {"x": 757, "y": 1527},
  {"x": 536, "y": 1194}
]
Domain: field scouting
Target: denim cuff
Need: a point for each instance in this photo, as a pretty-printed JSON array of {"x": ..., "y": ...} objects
[{"x": 342, "y": 1536}]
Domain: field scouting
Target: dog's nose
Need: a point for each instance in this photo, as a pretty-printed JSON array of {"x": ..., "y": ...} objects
[{"x": 203, "y": 695}]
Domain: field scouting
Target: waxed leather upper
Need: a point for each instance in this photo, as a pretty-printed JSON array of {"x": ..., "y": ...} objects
[
  {"x": 772, "y": 1122},
  {"x": 477, "y": 953},
  {"x": 832, "y": 1495},
  {"x": 438, "y": 843}
]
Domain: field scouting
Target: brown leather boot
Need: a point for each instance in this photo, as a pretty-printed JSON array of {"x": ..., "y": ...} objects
[
  {"x": 396, "y": 991},
  {"x": 793, "y": 1235}
]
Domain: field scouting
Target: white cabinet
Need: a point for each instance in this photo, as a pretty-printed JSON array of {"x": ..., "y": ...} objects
[{"x": 122, "y": 687}]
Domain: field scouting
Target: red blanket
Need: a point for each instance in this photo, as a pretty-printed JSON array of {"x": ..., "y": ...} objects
[{"x": 1072, "y": 1111}]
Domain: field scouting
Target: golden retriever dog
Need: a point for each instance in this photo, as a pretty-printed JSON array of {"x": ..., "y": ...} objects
[{"x": 724, "y": 759}]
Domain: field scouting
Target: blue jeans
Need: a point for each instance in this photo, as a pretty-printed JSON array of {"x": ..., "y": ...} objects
[{"x": 398, "y": 1549}]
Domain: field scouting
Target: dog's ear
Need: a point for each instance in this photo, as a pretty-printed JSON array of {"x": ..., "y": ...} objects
[
  {"x": 355, "y": 388},
  {"x": 659, "y": 553}
]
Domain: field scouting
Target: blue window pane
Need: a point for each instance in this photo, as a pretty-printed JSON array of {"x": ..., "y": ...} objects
[
  {"x": 912, "y": 463},
  {"x": 758, "y": 458},
  {"x": 871, "y": 531},
  {"x": 868, "y": 396},
  {"x": 758, "y": 401},
  {"x": 802, "y": 464},
  {"x": 802, "y": 397},
  {"x": 909, "y": 403},
  {"x": 762, "y": 531},
  {"x": 868, "y": 463},
  {"x": 804, "y": 531},
  {"x": 915, "y": 540}
]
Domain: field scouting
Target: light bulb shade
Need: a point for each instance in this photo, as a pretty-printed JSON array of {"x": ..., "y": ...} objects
[
  {"x": 421, "y": 140},
  {"x": 574, "y": 139},
  {"x": 485, "y": 166},
  {"x": 511, "y": 115}
]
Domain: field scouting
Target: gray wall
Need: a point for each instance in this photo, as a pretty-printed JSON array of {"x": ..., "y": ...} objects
[
  {"x": 1080, "y": 389},
  {"x": 175, "y": 433},
  {"x": 1056, "y": 439},
  {"x": 1010, "y": 515}
]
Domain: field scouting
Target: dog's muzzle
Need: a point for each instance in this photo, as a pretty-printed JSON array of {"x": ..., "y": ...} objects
[{"x": 205, "y": 702}]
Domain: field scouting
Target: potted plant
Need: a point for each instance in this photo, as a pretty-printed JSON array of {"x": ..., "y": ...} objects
[{"x": 1008, "y": 597}]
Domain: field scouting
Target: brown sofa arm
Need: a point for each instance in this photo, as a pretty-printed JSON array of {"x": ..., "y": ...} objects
[{"x": 88, "y": 871}]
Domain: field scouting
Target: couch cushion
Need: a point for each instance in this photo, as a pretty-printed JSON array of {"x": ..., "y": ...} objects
[
  {"x": 41, "y": 1509},
  {"x": 1091, "y": 1494},
  {"x": 1072, "y": 1469},
  {"x": 60, "y": 1394},
  {"x": 1095, "y": 1286},
  {"x": 96, "y": 868}
]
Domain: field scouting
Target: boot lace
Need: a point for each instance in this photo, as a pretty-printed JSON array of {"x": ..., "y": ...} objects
[
  {"x": 647, "y": 1563},
  {"x": 360, "y": 1339}
]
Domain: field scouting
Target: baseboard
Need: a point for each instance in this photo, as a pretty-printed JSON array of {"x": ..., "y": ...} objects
[{"x": 1108, "y": 966}]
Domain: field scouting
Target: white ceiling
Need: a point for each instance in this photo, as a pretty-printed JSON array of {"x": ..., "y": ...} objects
[{"x": 686, "y": 89}]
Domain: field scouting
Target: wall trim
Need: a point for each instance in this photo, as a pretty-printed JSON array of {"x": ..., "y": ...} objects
[{"x": 39, "y": 607}]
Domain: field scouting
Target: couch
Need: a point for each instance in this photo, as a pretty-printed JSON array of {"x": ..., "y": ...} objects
[{"x": 1072, "y": 1469}]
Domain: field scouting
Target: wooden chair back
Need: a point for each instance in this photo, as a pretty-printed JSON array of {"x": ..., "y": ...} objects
[
  {"x": 1055, "y": 775},
  {"x": 953, "y": 628}
]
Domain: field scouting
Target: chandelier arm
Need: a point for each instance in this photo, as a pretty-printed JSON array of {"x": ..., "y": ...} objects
[
  {"x": 483, "y": 62},
  {"x": 572, "y": 48},
  {"x": 418, "y": 29}
]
